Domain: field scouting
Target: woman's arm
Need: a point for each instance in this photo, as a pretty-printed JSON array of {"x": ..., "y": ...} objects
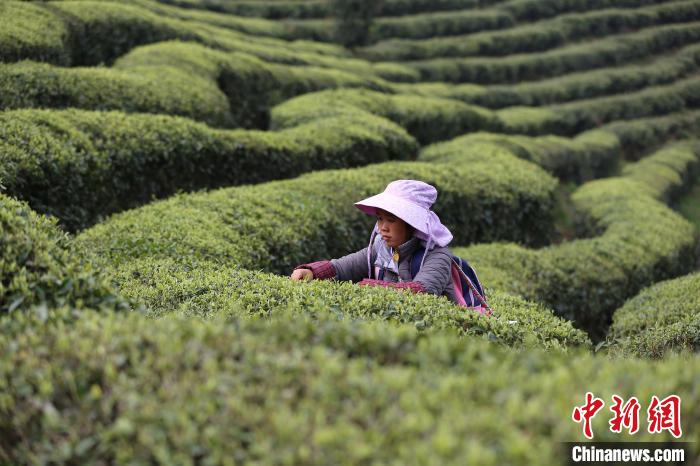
[
  {"x": 349, "y": 267},
  {"x": 352, "y": 266}
]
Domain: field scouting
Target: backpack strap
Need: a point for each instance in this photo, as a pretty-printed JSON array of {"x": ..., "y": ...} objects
[{"x": 473, "y": 288}]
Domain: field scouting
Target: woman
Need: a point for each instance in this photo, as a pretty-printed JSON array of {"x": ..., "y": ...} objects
[{"x": 404, "y": 224}]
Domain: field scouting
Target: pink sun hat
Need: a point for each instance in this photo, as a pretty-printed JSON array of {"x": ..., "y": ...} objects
[{"x": 410, "y": 200}]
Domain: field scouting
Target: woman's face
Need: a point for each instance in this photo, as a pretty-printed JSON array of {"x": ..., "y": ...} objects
[{"x": 394, "y": 231}]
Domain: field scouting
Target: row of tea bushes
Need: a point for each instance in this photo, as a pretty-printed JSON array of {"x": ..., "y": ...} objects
[
  {"x": 661, "y": 319},
  {"x": 79, "y": 33},
  {"x": 637, "y": 138},
  {"x": 85, "y": 33},
  {"x": 277, "y": 225},
  {"x": 427, "y": 119},
  {"x": 435, "y": 119},
  {"x": 573, "y": 86},
  {"x": 176, "y": 78},
  {"x": 247, "y": 25},
  {"x": 300, "y": 391},
  {"x": 522, "y": 10},
  {"x": 534, "y": 37},
  {"x": 320, "y": 9},
  {"x": 435, "y": 21},
  {"x": 574, "y": 117},
  {"x": 251, "y": 84},
  {"x": 591, "y": 154},
  {"x": 568, "y": 159},
  {"x": 39, "y": 267},
  {"x": 202, "y": 289},
  {"x": 418, "y": 26},
  {"x": 608, "y": 51},
  {"x": 532, "y": 10},
  {"x": 636, "y": 240},
  {"x": 81, "y": 166},
  {"x": 165, "y": 90}
]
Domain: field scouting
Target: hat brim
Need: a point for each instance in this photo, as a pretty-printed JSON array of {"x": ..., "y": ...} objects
[{"x": 410, "y": 213}]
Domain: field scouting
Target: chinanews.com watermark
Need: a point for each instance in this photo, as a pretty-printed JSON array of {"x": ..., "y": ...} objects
[{"x": 661, "y": 415}]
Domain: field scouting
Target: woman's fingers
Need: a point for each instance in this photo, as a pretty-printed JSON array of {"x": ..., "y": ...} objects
[{"x": 302, "y": 274}]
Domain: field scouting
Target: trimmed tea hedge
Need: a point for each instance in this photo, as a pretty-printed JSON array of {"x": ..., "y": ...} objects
[
  {"x": 533, "y": 37},
  {"x": 39, "y": 267},
  {"x": 432, "y": 23},
  {"x": 301, "y": 391},
  {"x": 417, "y": 26},
  {"x": 589, "y": 155},
  {"x": 319, "y": 8},
  {"x": 567, "y": 159},
  {"x": 202, "y": 289},
  {"x": 219, "y": 88},
  {"x": 661, "y": 319},
  {"x": 609, "y": 51},
  {"x": 277, "y": 225},
  {"x": 638, "y": 137},
  {"x": 572, "y": 86},
  {"x": 94, "y": 32},
  {"x": 251, "y": 84},
  {"x": 531, "y": 10},
  {"x": 81, "y": 166},
  {"x": 427, "y": 119},
  {"x": 253, "y": 26},
  {"x": 30, "y": 30},
  {"x": 638, "y": 241},
  {"x": 577, "y": 116},
  {"x": 156, "y": 90}
]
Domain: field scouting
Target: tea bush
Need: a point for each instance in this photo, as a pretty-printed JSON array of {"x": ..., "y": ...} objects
[
  {"x": 591, "y": 154},
  {"x": 301, "y": 391},
  {"x": 219, "y": 88},
  {"x": 277, "y": 225},
  {"x": 39, "y": 267},
  {"x": 608, "y": 51},
  {"x": 81, "y": 166},
  {"x": 427, "y": 119},
  {"x": 635, "y": 241},
  {"x": 155, "y": 90},
  {"x": 661, "y": 319},
  {"x": 29, "y": 30},
  {"x": 532, "y": 37},
  {"x": 319, "y": 9},
  {"x": 95, "y": 32},
  {"x": 202, "y": 289},
  {"x": 577, "y": 116},
  {"x": 572, "y": 86},
  {"x": 567, "y": 159}
]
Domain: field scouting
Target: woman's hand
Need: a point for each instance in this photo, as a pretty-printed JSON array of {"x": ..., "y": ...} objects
[{"x": 302, "y": 274}]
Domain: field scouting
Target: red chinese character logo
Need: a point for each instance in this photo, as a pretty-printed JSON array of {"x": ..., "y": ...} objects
[
  {"x": 665, "y": 415},
  {"x": 626, "y": 416},
  {"x": 587, "y": 412}
]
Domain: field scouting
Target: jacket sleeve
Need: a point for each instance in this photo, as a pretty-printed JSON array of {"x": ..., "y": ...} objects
[
  {"x": 436, "y": 273},
  {"x": 352, "y": 266},
  {"x": 322, "y": 270}
]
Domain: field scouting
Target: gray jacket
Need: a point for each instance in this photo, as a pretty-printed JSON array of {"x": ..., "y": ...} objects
[{"x": 435, "y": 275}]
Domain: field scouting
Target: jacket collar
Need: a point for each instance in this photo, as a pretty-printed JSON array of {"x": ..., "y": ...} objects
[{"x": 407, "y": 248}]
